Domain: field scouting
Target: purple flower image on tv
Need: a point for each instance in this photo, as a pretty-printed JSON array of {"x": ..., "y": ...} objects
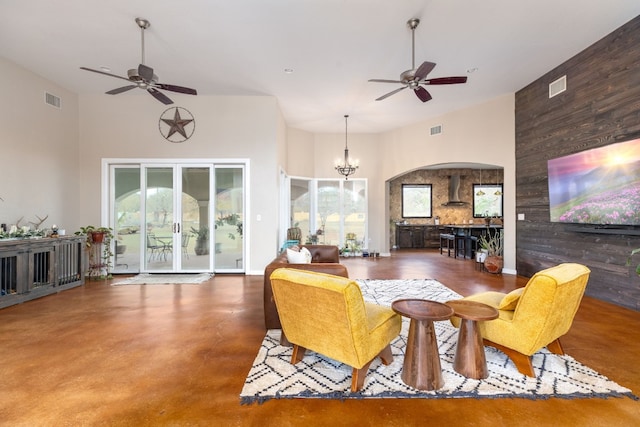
[{"x": 597, "y": 186}]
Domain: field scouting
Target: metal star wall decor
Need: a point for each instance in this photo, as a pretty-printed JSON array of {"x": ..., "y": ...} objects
[{"x": 176, "y": 124}]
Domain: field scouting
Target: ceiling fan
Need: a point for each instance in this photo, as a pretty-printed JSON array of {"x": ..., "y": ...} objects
[
  {"x": 415, "y": 78},
  {"x": 143, "y": 76}
]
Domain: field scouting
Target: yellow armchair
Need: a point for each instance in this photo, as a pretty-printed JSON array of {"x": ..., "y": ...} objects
[
  {"x": 535, "y": 316},
  {"x": 326, "y": 314}
]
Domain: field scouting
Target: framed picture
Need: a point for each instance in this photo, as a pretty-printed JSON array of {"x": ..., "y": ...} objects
[
  {"x": 416, "y": 200},
  {"x": 487, "y": 200}
]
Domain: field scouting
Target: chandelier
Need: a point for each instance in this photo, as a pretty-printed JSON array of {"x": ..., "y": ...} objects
[{"x": 346, "y": 168}]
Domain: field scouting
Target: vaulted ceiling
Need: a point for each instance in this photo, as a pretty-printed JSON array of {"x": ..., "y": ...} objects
[{"x": 333, "y": 48}]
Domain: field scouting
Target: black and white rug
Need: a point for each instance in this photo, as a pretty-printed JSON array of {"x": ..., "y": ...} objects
[{"x": 272, "y": 376}]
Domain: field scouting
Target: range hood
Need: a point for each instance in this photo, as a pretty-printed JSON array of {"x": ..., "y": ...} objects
[{"x": 454, "y": 187}]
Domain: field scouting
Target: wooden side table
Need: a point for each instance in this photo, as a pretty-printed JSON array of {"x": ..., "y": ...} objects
[
  {"x": 421, "y": 368},
  {"x": 470, "y": 359}
]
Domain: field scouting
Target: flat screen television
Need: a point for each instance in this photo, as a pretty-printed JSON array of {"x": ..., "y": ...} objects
[{"x": 600, "y": 186}]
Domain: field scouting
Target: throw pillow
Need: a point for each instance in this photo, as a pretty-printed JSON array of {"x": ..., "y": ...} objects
[
  {"x": 301, "y": 257},
  {"x": 510, "y": 301},
  {"x": 307, "y": 255}
]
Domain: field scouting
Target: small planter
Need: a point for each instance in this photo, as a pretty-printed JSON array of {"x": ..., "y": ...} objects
[
  {"x": 97, "y": 236},
  {"x": 493, "y": 264}
]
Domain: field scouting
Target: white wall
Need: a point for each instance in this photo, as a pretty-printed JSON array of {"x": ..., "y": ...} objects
[
  {"x": 38, "y": 151},
  {"x": 126, "y": 126}
]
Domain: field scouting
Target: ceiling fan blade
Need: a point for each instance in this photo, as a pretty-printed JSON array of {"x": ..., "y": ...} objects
[
  {"x": 160, "y": 96},
  {"x": 145, "y": 72},
  {"x": 422, "y": 94},
  {"x": 179, "y": 89},
  {"x": 105, "y": 73},
  {"x": 424, "y": 69},
  {"x": 121, "y": 89},
  {"x": 445, "y": 81},
  {"x": 384, "y": 81},
  {"x": 391, "y": 93}
]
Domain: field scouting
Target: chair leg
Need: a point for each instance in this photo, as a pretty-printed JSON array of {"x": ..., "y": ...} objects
[
  {"x": 298, "y": 354},
  {"x": 386, "y": 355},
  {"x": 358, "y": 375},
  {"x": 555, "y": 347},
  {"x": 284, "y": 341},
  {"x": 522, "y": 361}
]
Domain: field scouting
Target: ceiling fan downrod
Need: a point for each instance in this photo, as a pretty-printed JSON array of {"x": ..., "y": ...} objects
[
  {"x": 143, "y": 24},
  {"x": 413, "y": 24}
]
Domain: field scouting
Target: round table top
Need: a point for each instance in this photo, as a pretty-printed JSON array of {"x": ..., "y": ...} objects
[
  {"x": 422, "y": 309},
  {"x": 473, "y": 310}
]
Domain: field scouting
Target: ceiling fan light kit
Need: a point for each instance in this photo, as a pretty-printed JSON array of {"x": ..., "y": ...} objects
[
  {"x": 143, "y": 77},
  {"x": 414, "y": 78}
]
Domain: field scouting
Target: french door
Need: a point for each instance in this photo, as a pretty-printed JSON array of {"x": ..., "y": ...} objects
[{"x": 184, "y": 217}]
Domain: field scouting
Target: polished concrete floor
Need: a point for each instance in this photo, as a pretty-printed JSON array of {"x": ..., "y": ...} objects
[{"x": 177, "y": 355}]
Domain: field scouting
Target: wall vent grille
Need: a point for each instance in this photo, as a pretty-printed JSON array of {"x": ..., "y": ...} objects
[
  {"x": 558, "y": 86},
  {"x": 436, "y": 130},
  {"x": 52, "y": 100}
]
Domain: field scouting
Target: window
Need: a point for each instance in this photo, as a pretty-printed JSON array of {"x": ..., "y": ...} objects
[
  {"x": 416, "y": 200},
  {"x": 487, "y": 200},
  {"x": 327, "y": 210}
]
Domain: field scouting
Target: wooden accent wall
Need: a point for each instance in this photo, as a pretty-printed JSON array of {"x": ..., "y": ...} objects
[{"x": 600, "y": 106}]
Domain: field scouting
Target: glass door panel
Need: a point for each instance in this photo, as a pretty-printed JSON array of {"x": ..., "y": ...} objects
[
  {"x": 194, "y": 230},
  {"x": 127, "y": 219},
  {"x": 159, "y": 219},
  {"x": 229, "y": 218}
]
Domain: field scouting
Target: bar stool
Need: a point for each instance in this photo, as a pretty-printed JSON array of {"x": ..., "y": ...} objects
[
  {"x": 473, "y": 246},
  {"x": 460, "y": 243},
  {"x": 449, "y": 241}
]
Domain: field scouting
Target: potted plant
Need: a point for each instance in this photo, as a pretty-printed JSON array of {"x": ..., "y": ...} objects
[
  {"x": 202, "y": 240},
  {"x": 492, "y": 243},
  {"x": 231, "y": 219},
  {"x": 633, "y": 252},
  {"x": 99, "y": 263}
]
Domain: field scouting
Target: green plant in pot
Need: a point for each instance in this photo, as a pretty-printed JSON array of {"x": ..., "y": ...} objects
[
  {"x": 633, "y": 252},
  {"x": 231, "y": 219},
  {"x": 493, "y": 244},
  {"x": 202, "y": 240},
  {"x": 99, "y": 263}
]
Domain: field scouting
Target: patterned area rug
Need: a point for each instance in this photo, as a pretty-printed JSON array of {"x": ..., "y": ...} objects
[
  {"x": 272, "y": 376},
  {"x": 164, "y": 279}
]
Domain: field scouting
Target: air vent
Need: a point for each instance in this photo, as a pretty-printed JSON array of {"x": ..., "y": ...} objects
[
  {"x": 558, "y": 86},
  {"x": 436, "y": 130},
  {"x": 52, "y": 100}
]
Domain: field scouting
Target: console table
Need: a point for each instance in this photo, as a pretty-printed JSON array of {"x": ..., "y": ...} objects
[{"x": 33, "y": 268}]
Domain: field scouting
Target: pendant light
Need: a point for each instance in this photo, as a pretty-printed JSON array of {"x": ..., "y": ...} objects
[
  {"x": 346, "y": 168},
  {"x": 480, "y": 192},
  {"x": 498, "y": 192}
]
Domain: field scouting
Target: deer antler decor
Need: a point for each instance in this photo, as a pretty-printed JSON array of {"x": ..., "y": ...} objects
[{"x": 38, "y": 224}]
